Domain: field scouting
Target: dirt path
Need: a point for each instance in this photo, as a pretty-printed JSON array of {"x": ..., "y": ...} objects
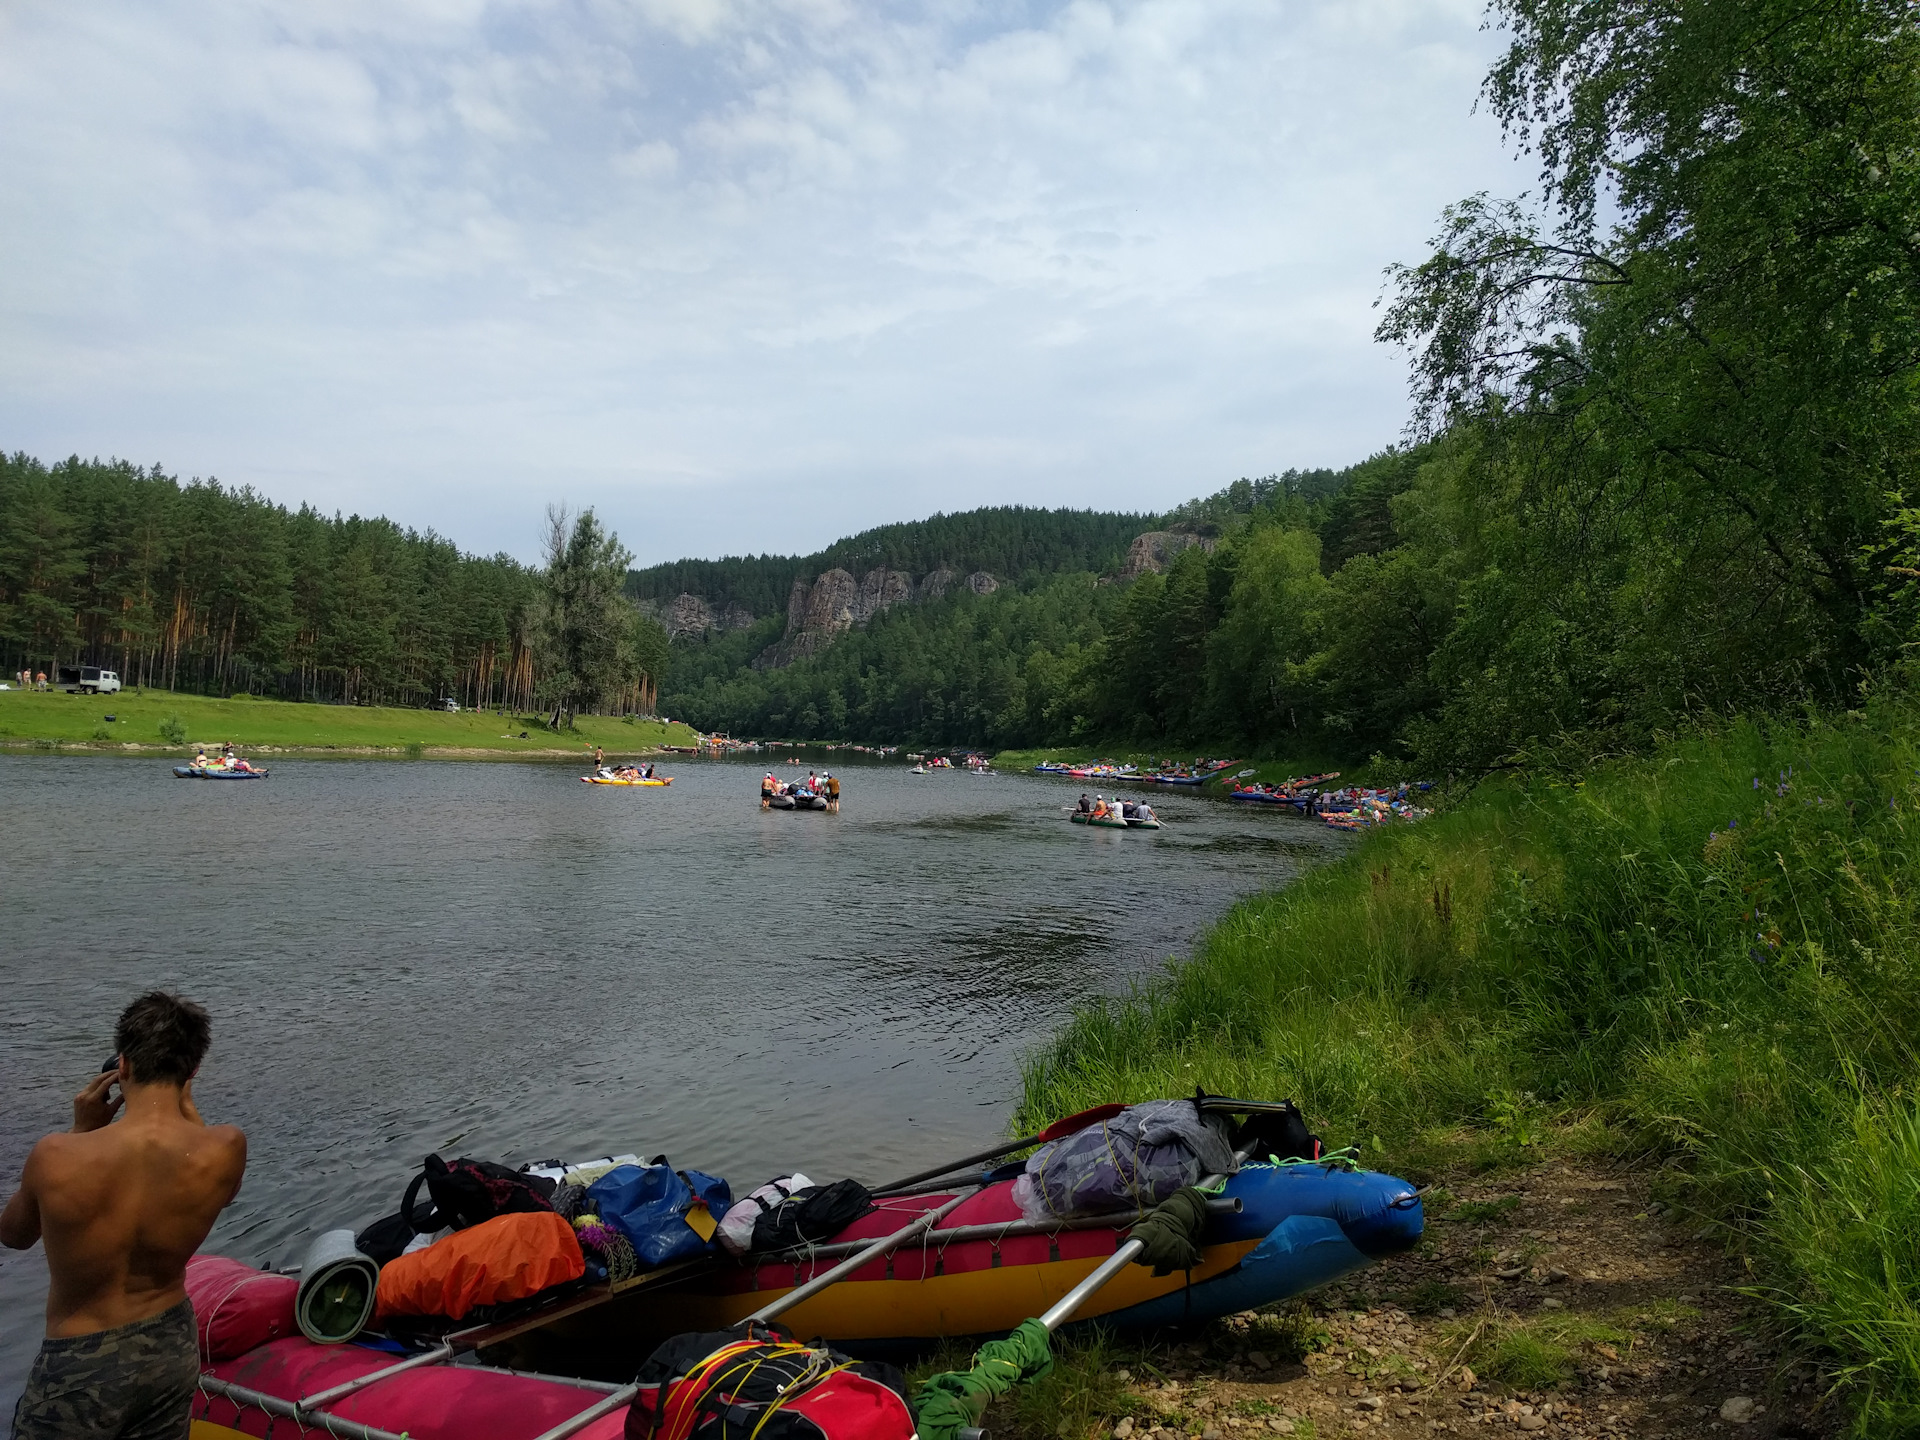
[{"x": 1561, "y": 1301}]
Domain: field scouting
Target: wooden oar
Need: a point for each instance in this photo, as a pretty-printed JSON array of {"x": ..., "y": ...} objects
[{"x": 1065, "y": 1126}]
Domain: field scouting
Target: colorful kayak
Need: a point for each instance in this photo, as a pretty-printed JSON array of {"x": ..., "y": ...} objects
[
  {"x": 616, "y": 780},
  {"x": 215, "y": 772}
]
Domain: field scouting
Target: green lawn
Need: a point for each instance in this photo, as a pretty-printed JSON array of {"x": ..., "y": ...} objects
[{"x": 28, "y": 717}]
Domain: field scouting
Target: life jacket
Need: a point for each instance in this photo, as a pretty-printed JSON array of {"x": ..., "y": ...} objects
[{"x": 754, "y": 1380}]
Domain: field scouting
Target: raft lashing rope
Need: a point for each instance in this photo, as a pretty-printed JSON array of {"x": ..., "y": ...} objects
[{"x": 950, "y": 1405}]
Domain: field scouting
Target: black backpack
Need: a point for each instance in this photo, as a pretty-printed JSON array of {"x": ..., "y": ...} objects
[
  {"x": 810, "y": 1216},
  {"x": 462, "y": 1193}
]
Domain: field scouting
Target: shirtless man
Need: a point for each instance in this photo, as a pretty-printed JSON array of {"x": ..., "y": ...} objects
[{"x": 122, "y": 1207}]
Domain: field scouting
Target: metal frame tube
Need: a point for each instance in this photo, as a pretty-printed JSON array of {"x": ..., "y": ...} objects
[
  {"x": 286, "y": 1410},
  {"x": 1062, "y": 1309},
  {"x": 873, "y": 1250},
  {"x": 438, "y": 1356},
  {"x": 1118, "y": 1219}
]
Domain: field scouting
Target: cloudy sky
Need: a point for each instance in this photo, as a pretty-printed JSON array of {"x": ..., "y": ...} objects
[{"x": 741, "y": 274}]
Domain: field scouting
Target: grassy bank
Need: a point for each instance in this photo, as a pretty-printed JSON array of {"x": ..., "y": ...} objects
[
  {"x": 149, "y": 718},
  {"x": 1709, "y": 955}
]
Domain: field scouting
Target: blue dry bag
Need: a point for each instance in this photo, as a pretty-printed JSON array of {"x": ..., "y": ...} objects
[{"x": 649, "y": 1205}]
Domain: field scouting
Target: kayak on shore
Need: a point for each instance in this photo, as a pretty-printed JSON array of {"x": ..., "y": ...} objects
[{"x": 997, "y": 1246}]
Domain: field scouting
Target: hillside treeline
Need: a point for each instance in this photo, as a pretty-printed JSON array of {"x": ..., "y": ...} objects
[
  {"x": 1062, "y": 653},
  {"x": 1009, "y": 542},
  {"x": 199, "y": 587},
  {"x": 1668, "y": 420}
]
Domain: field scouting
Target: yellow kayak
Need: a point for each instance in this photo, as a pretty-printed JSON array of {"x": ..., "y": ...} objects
[{"x": 610, "y": 780}]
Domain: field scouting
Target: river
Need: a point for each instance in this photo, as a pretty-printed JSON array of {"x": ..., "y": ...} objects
[{"x": 493, "y": 959}]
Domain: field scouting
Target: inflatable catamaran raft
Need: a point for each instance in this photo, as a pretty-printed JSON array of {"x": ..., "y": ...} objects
[{"x": 962, "y": 1251}]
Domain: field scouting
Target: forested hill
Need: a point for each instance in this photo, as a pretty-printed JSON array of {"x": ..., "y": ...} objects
[{"x": 1009, "y": 542}]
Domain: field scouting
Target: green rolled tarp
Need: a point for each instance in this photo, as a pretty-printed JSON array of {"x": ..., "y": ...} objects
[
  {"x": 335, "y": 1299},
  {"x": 954, "y": 1401}
]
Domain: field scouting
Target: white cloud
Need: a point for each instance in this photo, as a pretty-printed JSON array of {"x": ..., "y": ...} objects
[{"x": 744, "y": 274}]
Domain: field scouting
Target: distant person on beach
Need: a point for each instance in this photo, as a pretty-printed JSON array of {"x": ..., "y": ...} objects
[{"x": 122, "y": 1207}]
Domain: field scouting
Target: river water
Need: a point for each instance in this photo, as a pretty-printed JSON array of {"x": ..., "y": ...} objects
[{"x": 493, "y": 959}]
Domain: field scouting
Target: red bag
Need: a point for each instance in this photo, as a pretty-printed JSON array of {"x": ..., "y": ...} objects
[
  {"x": 506, "y": 1258},
  {"x": 237, "y": 1308},
  {"x": 754, "y": 1380}
]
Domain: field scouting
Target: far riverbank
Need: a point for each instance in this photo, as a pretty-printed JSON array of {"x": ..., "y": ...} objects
[{"x": 141, "y": 721}]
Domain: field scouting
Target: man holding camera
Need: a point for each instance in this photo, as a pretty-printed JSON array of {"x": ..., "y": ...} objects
[{"x": 122, "y": 1207}]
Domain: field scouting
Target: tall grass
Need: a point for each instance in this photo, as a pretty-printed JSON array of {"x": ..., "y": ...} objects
[{"x": 1715, "y": 948}]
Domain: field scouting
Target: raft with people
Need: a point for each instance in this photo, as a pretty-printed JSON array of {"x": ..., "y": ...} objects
[
  {"x": 224, "y": 766},
  {"x": 816, "y": 792},
  {"x": 1132, "y": 1217},
  {"x": 1114, "y": 814}
]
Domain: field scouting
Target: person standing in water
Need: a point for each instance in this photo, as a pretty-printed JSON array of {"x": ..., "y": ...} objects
[{"x": 122, "y": 1206}]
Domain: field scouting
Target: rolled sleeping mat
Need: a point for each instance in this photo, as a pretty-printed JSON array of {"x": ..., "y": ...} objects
[{"x": 337, "y": 1282}]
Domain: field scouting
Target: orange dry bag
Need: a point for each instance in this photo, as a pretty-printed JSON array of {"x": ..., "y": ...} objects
[{"x": 506, "y": 1258}]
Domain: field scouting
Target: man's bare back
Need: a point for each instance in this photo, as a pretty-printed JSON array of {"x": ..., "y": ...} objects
[{"x": 122, "y": 1207}]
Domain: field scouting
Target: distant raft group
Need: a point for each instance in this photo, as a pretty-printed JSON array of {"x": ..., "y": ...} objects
[{"x": 1351, "y": 808}]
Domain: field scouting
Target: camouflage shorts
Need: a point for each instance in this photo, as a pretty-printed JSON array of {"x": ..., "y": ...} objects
[{"x": 135, "y": 1382}]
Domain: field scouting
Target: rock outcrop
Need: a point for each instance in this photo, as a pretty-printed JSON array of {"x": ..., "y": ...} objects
[
  {"x": 1151, "y": 553},
  {"x": 689, "y": 615},
  {"x": 821, "y": 610}
]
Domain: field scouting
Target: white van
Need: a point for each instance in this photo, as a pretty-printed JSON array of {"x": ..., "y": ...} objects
[{"x": 95, "y": 681}]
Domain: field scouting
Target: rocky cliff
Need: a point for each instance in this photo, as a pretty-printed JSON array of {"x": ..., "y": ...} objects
[
  {"x": 689, "y": 615},
  {"x": 821, "y": 610},
  {"x": 1152, "y": 552}
]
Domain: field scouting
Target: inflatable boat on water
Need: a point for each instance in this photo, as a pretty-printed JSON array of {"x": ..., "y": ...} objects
[
  {"x": 216, "y": 772},
  {"x": 1111, "y": 821},
  {"x": 616, "y": 780}
]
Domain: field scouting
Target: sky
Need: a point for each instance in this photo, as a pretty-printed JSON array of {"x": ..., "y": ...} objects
[{"x": 742, "y": 275}]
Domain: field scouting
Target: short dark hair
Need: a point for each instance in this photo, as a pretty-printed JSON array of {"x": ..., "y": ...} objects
[{"x": 163, "y": 1037}]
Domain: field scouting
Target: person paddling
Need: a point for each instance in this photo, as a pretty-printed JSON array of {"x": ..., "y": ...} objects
[{"x": 122, "y": 1206}]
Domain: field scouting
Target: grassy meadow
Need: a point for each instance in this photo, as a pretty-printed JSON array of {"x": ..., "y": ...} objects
[
  {"x": 1706, "y": 958},
  {"x": 154, "y": 718}
]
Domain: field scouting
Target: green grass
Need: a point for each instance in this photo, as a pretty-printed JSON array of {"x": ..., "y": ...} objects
[
  {"x": 164, "y": 718},
  {"x": 1663, "y": 959}
]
